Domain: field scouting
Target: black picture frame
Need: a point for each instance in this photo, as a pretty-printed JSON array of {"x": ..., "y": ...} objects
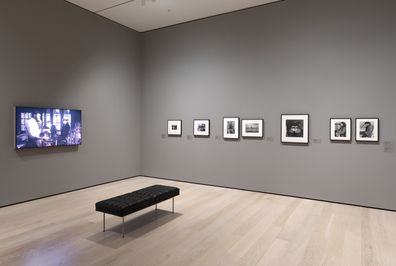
[
  {"x": 304, "y": 140},
  {"x": 230, "y": 136},
  {"x": 348, "y": 129},
  {"x": 173, "y": 133},
  {"x": 197, "y": 132},
  {"x": 251, "y": 135},
  {"x": 375, "y": 132}
]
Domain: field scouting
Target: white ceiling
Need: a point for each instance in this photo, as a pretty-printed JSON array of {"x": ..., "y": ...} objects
[{"x": 144, "y": 15}]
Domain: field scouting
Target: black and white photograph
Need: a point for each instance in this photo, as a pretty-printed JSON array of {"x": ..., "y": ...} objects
[
  {"x": 231, "y": 127},
  {"x": 252, "y": 128},
  {"x": 295, "y": 129},
  {"x": 201, "y": 127},
  {"x": 367, "y": 129},
  {"x": 174, "y": 127},
  {"x": 340, "y": 129}
]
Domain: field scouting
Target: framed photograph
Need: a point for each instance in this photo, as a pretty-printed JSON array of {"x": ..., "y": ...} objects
[
  {"x": 252, "y": 128},
  {"x": 295, "y": 129},
  {"x": 340, "y": 129},
  {"x": 174, "y": 127},
  {"x": 201, "y": 127},
  {"x": 231, "y": 127},
  {"x": 367, "y": 129}
]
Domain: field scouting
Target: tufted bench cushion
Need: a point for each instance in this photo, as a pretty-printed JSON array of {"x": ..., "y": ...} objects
[{"x": 137, "y": 200}]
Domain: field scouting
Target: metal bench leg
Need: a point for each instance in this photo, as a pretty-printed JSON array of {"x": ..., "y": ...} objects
[
  {"x": 104, "y": 222},
  {"x": 123, "y": 227},
  {"x": 173, "y": 205}
]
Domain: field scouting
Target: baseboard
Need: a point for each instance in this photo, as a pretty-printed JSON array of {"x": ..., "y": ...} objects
[
  {"x": 65, "y": 192},
  {"x": 271, "y": 193},
  {"x": 203, "y": 184}
]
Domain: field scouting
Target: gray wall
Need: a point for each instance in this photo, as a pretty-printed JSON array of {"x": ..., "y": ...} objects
[
  {"x": 326, "y": 58},
  {"x": 55, "y": 54}
]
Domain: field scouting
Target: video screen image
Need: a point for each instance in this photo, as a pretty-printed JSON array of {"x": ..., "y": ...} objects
[{"x": 47, "y": 127}]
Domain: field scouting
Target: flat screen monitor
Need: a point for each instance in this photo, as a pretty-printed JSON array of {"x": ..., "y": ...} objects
[{"x": 37, "y": 127}]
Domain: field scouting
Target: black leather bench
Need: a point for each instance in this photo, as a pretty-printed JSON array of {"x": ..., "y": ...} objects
[{"x": 135, "y": 201}]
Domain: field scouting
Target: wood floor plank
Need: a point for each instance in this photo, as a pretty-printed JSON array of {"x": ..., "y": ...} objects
[{"x": 210, "y": 226}]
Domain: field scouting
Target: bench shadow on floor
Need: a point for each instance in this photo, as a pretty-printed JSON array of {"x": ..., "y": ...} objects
[{"x": 136, "y": 226}]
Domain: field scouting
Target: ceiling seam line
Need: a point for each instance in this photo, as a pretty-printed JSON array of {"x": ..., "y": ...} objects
[{"x": 110, "y": 7}]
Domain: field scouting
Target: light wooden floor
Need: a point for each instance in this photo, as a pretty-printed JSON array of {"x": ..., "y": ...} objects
[{"x": 211, "y": 226}]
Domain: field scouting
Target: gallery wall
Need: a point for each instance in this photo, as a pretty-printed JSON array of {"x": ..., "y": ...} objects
[
  {"x": 322, "y": 58},
  {"x": 54, "y": 54}
]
